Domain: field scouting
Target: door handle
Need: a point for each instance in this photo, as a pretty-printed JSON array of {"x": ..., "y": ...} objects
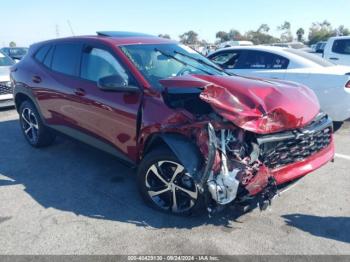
[
  {"x": 79, "y": 92},
  {"x": 334, "y": 58},
  {"x": 36, "y": 79}
]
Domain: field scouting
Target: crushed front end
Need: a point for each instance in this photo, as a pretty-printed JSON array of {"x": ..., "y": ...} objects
[
  {"x": 248, "y": 165},
  {"x": 254, "y": 135}
]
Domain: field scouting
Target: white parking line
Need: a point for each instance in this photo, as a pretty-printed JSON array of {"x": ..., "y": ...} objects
[{"x": 342, "y": 156}]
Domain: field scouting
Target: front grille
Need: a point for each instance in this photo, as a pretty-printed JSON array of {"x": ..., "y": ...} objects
[
  {"x": 304, "y": 144},
  {"x": 4, "y": 89}
]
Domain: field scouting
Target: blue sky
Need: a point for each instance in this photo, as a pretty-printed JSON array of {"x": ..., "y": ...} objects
[{"x": 30, "y": 21}]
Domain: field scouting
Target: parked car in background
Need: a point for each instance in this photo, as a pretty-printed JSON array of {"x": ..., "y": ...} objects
[
  {"x": 295, "y": 45},
  {"x": 6, "y": 96},
  {"x": 200, "y": 137},
  {"x": 337, "y": 50},
  {"x": 319, "y": 47},
  {"x": 16, "y": 53},
  {"x": 331, "y": 83}
]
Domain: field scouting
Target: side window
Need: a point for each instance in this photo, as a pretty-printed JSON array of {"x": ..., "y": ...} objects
[
  {"x": 48, "y": 58},
  {"x": 226, "y": 60},
  {"x": 41, "y": 53},
  {"x": 341, "y": 46},
  {"x": 98, "y": 63},
  {"x": 66, "y": 58},
  {"x": 262, "y": 60}
]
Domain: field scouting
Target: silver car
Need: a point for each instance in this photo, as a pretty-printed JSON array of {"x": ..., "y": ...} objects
[{"x": 6, "y": 97}]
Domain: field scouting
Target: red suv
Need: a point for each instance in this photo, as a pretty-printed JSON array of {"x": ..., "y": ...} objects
[{"x": 201, "y": 138}]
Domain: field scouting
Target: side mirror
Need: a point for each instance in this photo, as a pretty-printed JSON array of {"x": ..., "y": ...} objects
[{"x": 116, "y": 83}]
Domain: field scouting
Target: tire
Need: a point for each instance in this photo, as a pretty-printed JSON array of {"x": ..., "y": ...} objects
[
  {"x": 171, "y": 179},
  {"x": 35, "y": 132}
]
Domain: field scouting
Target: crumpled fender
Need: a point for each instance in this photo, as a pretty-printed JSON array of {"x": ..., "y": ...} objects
[{"x": 186, "y": 151}]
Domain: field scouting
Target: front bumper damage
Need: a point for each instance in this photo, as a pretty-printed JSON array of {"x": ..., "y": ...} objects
[{"x": 282, "y": 158}]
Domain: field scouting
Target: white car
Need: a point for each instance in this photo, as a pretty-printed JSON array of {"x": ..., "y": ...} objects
[
  {"x": 337, "y": 50},
  {"x": 331, "y": 83},
  {"x": 6, "y": 97}
]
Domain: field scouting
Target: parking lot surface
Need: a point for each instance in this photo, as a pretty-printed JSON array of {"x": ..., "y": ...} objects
[{"x": 73, "y": 199}]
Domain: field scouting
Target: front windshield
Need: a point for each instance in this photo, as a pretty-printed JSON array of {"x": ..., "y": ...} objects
[
  {"x": 5, "y": 61},
  {"x": 159, "y": 61},
  {"x": 312, "y": 57},
  {"x": 18, "y": 51}
]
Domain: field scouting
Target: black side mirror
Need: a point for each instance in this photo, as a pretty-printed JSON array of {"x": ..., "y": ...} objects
[{"x": 116, "y": 83}]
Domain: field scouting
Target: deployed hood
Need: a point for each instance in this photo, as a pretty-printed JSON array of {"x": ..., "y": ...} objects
[{"x": 260, "y": 106}]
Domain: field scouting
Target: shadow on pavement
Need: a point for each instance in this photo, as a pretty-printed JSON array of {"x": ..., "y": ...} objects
[
  {"x": 336, "y": 228},
  {"x": 73, "y": 177}
]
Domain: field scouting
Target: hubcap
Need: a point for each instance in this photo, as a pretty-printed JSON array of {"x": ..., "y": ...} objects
[
  {"x": 30, "y": 124},
  {"x": 170, "y": 187}
]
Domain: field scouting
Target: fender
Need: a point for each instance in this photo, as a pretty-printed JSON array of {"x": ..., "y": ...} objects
[{"x": 188, "y": 153}]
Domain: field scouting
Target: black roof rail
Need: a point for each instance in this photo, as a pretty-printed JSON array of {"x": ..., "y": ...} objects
[{"x": 122, "y": 34}]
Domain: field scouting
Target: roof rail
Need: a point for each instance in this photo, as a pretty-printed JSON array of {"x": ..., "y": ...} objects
[{"x": 122, "y": 34}]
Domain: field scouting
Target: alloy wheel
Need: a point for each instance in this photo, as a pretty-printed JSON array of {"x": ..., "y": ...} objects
[
  {"x": 30, "y": 125},
  {"x": 170, "y": 187}
]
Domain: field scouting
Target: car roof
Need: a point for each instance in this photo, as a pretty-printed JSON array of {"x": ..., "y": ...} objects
[
  {"x": 119, "y": 38},
  {"x": 340, "y": 37}
]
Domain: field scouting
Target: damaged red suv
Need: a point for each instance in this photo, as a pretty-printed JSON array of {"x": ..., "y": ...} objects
[{"x": 202, "y": 139}]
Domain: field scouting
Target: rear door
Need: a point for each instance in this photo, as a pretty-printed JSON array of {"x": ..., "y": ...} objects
[{"x": 338, "y": 51}]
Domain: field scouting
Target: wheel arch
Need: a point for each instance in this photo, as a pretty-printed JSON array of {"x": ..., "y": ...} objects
[{"x": 185, "y": 150}]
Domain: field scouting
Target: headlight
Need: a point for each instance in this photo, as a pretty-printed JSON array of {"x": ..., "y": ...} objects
[{"x": 8, "y": 84}]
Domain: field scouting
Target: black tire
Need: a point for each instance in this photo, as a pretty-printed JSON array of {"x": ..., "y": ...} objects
[
  {"x": 35, "y": 132},
  {"x": 186, "y": 204},
  {"x": 337, "y": 125}
]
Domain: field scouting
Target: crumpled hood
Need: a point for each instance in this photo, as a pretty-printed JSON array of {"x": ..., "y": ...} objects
[{"x": 260, "y": 106}]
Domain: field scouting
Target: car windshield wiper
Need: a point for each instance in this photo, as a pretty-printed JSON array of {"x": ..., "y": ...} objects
[
  {"x": 180, "y": 61},
  {"x": 201, "y": 61}
]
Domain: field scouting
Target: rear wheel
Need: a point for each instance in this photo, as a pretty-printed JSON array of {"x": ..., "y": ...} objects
[
  {"x": 32, "y": 126},
  {"x": 167, "y": 186}
]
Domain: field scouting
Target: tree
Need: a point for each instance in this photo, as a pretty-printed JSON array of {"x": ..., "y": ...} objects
[
  {"x": 261, "y": 36},
  {"x": 286, "y": 35},
  {"x": 264, "y": 28},
  {"x": 164, "y": 36},
  {"x": 233, "y": 34},
  {"x": 320, "y": 32},
  {"x": 300, "y": 34},
  {"x": 222, "y": 36},
  {"x": 189, "y": 38},
  {"x": 341, "y": 30},
  {"x": 12, "y": 44}
]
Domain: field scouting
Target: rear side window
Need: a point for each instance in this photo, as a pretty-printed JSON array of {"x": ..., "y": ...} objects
[
  {"x": 48, "y": 57},
  {"x": 41, "y": 53},
  {"x": 66, "y": 58},
  {"x": 226, "y": 60},
  {"x": 98, "y": 63},
  {"x": 262, "y": 60},
  {"x": 341, "y": 46}
]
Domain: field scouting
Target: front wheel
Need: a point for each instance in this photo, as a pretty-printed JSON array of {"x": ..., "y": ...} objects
[{"x": 166, "y": 185}]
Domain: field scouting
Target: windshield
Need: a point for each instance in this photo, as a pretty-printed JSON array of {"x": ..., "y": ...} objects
[
  {"x": 5, "y": 61},
  {"x": 18, "y": 51},
  {"x": 312, "y": 57},
  {"x": 161, "y": 61}
]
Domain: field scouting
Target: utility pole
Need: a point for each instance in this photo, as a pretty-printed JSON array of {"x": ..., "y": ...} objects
[
  {"x": 57, "y": 31},
  {"x": 70, "y": 27}
]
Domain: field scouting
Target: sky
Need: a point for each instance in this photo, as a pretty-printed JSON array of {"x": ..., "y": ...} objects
[{"x": 26, "y": 22}]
